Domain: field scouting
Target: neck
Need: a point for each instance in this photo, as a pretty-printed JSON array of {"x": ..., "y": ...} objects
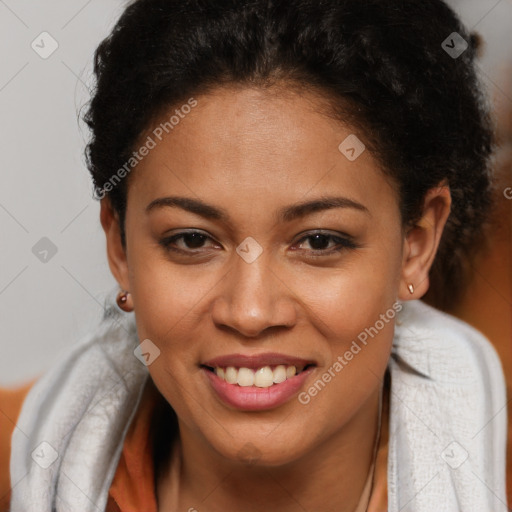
[{"x": 331, "y": 478}]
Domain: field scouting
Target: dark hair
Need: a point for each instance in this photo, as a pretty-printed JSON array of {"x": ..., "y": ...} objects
[{"x": 381, "y": 64}]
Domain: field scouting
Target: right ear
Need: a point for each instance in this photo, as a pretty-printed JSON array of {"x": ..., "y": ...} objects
[{"x": 115, "y": 251}]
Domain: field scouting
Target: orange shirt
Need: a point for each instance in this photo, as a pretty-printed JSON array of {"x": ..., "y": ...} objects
[
  {"x": 10, "y": 406},
  {"x": 132, "y": 489}
]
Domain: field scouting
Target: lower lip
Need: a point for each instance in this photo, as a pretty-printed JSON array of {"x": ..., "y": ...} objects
[{"x": 252, "y": 398}]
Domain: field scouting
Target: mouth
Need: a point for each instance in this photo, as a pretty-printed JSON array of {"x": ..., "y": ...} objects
[
  {"x": 261, "y": 377},
  {"x": 258, "y": 382}
]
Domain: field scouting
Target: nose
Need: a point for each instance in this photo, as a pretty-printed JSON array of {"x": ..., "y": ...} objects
[{"x": 253, "y": 299}]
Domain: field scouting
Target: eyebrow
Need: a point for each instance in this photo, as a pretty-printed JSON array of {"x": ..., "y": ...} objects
[{"x": 286, "y": 214}]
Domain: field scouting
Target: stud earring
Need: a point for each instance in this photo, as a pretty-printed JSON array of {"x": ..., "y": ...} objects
[
  {"x": 124, "y": 301},
  {"x": 411, "y": 288}
]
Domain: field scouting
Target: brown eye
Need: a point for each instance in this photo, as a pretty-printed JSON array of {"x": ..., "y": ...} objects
[
  {"x": 193, "y": 240},
  {"x": 320, "y": 243},
  {"x": 184, "y": 242}
]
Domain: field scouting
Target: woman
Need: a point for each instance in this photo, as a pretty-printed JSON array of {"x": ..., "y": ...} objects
[{"x": 280, "y": 183}]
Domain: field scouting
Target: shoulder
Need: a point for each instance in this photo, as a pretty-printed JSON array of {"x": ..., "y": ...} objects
[
  {"x": 11, "y": 401},
  {"x": 446, "y": 348},
  {"x": 448, "y": 409}
]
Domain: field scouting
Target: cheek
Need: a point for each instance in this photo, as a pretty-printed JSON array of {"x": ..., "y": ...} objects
[
  {"x": 356, "y": 319},
  {"x": 350, "y": 298},
  {"x": 354, "y": 310},
  {"x": 357, "y": 325},
  {"x": 169, "y": 310},
  {"x": 167, "y": 296}
]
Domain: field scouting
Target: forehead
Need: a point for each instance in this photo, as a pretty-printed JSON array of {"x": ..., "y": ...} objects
[{"x": 247, "y": 144}]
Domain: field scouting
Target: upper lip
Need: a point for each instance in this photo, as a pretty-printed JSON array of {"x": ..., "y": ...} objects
[{"x": 256, "y": 361}]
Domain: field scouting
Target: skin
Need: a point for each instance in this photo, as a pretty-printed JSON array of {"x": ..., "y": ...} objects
[{"x": 252, "y": 152}]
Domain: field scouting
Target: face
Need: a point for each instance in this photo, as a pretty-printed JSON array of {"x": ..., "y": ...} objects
[{"x": 245, "y": 267}]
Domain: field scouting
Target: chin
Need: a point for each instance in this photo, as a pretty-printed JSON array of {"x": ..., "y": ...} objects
[{"x": 260, "y": 451}]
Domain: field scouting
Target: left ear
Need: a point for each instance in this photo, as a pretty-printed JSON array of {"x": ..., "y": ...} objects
[{"x": 422, "y": 240}]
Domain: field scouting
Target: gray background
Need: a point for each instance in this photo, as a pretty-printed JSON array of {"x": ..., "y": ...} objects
[{"x": 45, "y": 189}]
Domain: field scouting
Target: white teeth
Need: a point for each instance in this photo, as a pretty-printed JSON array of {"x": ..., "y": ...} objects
[
  {"x": 245, "y": 377},
  {"x": 290, "y": 371},
  {"x": 280, "y": 374},
  {"x": 262, "y": 377},
  {"x": 231, "y": 375}
]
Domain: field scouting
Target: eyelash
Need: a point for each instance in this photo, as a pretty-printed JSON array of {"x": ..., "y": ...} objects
[{"x": 344, "y": 243}]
